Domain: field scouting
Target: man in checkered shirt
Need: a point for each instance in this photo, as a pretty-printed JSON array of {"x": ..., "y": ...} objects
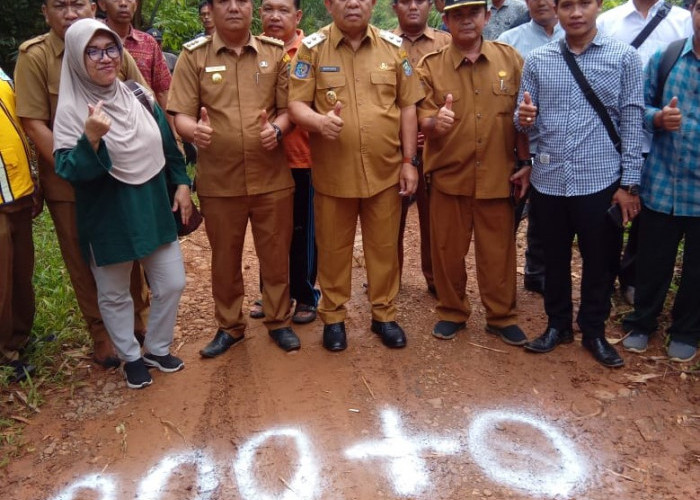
[{"x": 578, "y": 173}]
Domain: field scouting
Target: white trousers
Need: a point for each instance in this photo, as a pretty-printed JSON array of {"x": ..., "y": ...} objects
[{"x": 165, "y": 273}]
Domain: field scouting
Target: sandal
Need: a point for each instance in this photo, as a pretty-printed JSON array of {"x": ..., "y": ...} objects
[{"x": 304, "y": 314}]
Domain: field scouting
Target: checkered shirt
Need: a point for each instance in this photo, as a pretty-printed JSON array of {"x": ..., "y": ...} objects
[
  {"x": 575, "y": 155},
  {"x": 671, "y": 174}
]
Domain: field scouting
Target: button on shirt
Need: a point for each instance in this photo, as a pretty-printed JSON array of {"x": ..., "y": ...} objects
[
  {"x": 625, "y": 22},
  {"x": 670, "y": 179},
  {"x": 234, "y": 89},
  {"x": 477, "y": 156},
  {"x": 372, "y": 84},
  {"x": 575, "y": 153}
]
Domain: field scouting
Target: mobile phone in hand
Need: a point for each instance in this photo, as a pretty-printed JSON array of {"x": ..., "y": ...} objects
[{"x": 615, "y": 215}]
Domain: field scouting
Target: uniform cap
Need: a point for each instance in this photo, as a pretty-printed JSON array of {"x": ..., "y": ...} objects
[
  {"x": 453, "y": 4},
  {"x": 155, "y": 33}
]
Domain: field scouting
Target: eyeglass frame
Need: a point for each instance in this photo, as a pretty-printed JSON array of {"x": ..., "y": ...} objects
[{"x": 90, "y": 52}]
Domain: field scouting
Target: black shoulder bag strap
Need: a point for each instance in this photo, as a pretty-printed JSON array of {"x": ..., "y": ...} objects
[
  {"x": 590, "y": 95},
  {"x": 668, "y": 60},
  {"x": 651, "y": 26},
  {"x": 139, "y": 93}
]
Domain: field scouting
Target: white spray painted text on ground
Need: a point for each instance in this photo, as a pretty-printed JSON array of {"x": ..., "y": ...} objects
[{"x": 513, "y": 461}]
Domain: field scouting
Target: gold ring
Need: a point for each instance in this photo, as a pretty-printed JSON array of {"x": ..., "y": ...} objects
[{"x": 528, "y": 119}]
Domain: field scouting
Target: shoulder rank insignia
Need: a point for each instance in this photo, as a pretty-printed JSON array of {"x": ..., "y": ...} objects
[
  {"x": 391, "y": 38},
  {"x": 196, "y": 43},
  {"x": 32, "y": 41},
  {"x": 272, "y": 40},
  {"x": 312, "y": 40}
]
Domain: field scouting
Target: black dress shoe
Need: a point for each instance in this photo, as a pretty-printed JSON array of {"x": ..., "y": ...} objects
[
  {"x": 603, "y": 352},
  {"x": 391, "y": 333},
  {"x": 221, "y": 343},
  {"x": 20, "y": 370},
  {"x": 334, "y": 337},
  {"x": 285, "y": 338},
  {"x": 549, "y": 340},
  {"x": 534, "y": 283}
]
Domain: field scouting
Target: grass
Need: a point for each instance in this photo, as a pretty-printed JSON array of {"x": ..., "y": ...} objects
[{"x": 58, "y": 318}]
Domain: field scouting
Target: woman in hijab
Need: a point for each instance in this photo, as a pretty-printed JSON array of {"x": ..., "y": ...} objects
[{"x": 121, "y": 157}]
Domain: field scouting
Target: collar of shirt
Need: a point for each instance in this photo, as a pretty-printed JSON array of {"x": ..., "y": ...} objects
[
  {"x": 135, "y": 34},
  {"x": 539, "y": 29},
  {"x": 428, "y": 32},
  {"x": 629, "y": 9},
  {"x": 458, "y": 58},
  {"x": 293, "y": 49},
  {"x": 55, "y": 43},
  {"x": 336, "y": 36},
  {"x": 218, "y": 44},
  {"x": 598, "y": 39}
]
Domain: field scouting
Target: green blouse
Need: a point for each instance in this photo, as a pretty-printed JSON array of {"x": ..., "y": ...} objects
[{"x": 121, "y": 222}]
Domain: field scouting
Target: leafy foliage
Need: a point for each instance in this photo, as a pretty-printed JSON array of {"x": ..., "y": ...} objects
[{"x": 19, "y": 21}]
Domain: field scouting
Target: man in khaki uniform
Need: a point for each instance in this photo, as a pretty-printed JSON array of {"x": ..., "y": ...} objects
[
  {"x": 350, "y": 88},
  {"x": 37, "y": 75},
  {"x": 229, "y": 98},
  {"x": 466, "y": 116},
  {"x": 418, "y": 40}
]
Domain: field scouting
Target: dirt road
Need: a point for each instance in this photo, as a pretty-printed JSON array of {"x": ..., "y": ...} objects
[{"x": 467, "y": 418}]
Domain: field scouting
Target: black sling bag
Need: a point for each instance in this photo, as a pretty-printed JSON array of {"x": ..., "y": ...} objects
[{"x": 590, "y": 95}]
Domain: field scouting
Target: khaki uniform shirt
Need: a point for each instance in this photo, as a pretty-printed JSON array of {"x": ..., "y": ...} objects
[
  {"x": 430, "y": 41},
  {"x": 372, "y": 84},
  {"x": 477, "y": 156},
  {"x": 235, "y": 90},
  {"x": 37, "y": 77}
]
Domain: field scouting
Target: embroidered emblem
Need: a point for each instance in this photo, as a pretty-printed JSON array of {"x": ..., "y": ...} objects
[
  {"x": 407, "y": 68},
  {"x": 302, "y": 69}
]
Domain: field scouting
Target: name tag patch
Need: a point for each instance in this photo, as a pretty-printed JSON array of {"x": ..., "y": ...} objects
[{"x": 329, "y": 69}]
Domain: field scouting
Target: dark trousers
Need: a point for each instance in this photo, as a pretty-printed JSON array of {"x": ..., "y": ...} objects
[
  {"x": 534, "y": 253},
  {"x": 560, "y": 219},
  {"x": 628, "y": 264},
  {"x": 659, "y": 236},
  {"x": 302, "y": 254}
]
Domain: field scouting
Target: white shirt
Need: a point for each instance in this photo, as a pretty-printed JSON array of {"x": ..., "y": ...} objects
[{"x": 626, "y": 22}]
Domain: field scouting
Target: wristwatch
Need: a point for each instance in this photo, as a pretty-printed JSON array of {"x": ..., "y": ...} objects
[
  {"x": 278, "y": 133},
  {"x": 413, "y": 160},
  {"x": 632, "y": 189},
  {"x": 525, "y": 163}
]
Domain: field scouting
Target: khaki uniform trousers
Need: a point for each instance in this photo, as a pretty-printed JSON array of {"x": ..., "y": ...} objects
[
  {"x": 16, "y": 269},
  {"x": 452, "y": 221},
  {"x": 336, "y": 220},
  {"x": 225, "y": 220},
  {"x": 64, "y": 219}
]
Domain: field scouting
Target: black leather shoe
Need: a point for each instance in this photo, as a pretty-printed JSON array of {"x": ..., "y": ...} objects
[
  {"x": 391, "y": 333},
  {"x": 285, "y": 338},
  {"x": 534, "y": 283},
  {"x": 334, "y": 337},
  {"x": 549, "y": 340},
  {"x": 221, "y": 343},
  {"x": 603, "y": 352}
]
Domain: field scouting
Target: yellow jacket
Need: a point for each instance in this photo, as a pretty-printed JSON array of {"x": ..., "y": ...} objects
[{"x": 15, "y": 176}]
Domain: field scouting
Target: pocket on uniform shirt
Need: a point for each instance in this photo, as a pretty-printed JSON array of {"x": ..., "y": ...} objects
[
  {"x": 506, "y": 91},
  {"x": 329, "y": 89},
  {"x": 384, "y": 85},
  {"x": 441, "y": 97}
]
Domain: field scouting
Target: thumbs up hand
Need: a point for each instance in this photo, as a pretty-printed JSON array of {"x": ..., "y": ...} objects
[
  {"x": 670, "y": 116},
  {"x": 331, "y": 123},
  {"x": 203, "y": 130},
  {"x": 445, "y": 119},
  {"x": 268, "y": 134},
  {"x": 527, "y": 111}
]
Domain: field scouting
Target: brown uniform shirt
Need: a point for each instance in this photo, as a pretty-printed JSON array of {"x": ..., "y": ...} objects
[
  {"x": 477, "y": 156},
  {"x": 429, "y": 41},
  {"x": 372, "y": 84},
  {"x": 235, "y": 90},
  {"x": 37, "y": 77}
]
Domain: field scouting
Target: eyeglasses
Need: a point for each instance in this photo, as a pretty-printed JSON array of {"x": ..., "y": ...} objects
[
  {"x": 407, "y": 3},
  {"x": 96, "y": 55}
]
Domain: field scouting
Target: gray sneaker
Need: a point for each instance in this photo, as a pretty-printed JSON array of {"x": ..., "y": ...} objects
[
  {"x": 681, "y": 352},
  {"x": 635, "y": 342}
]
